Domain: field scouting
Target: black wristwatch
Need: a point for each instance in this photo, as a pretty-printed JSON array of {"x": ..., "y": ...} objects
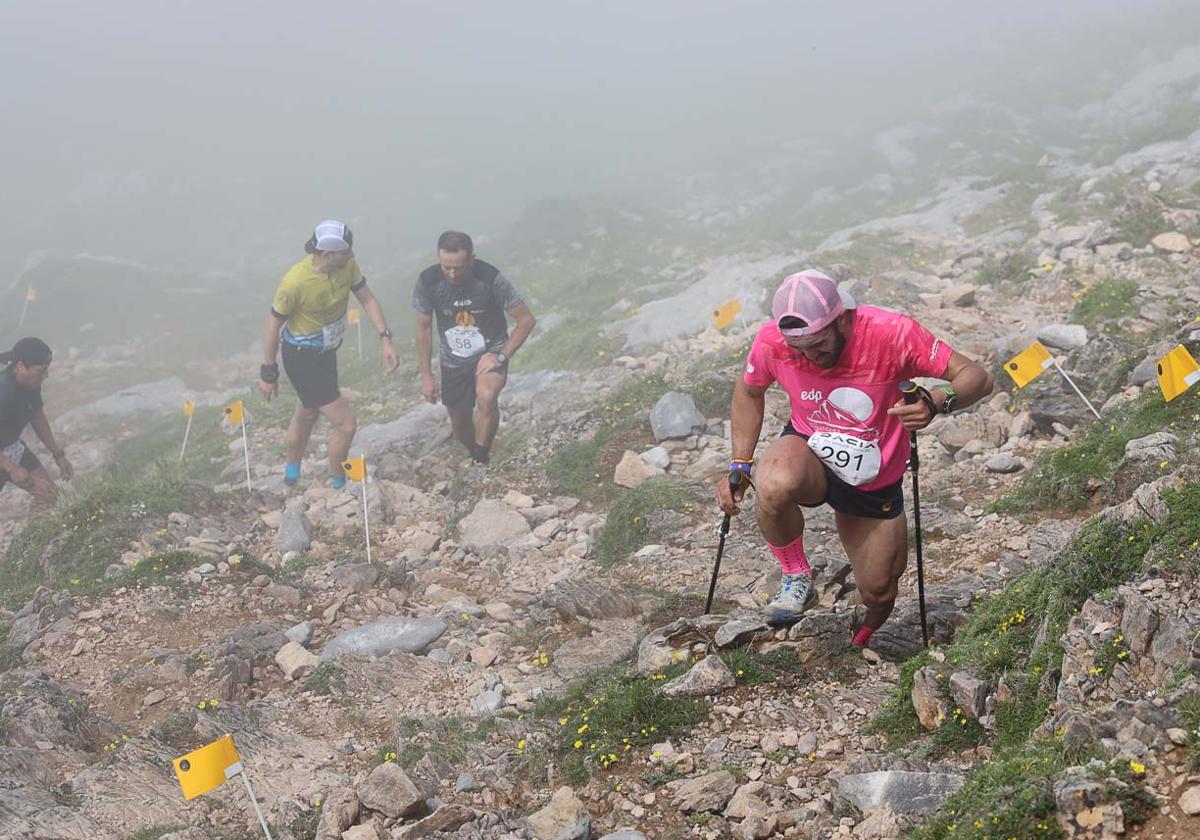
[
  {"x": 387, "y": 333},
  {"x": 951, "y": 401},
  {"x": 502, "y": 357}
]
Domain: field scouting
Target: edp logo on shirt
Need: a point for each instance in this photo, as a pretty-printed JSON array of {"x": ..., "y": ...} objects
[{"x": 814, "y": 395}]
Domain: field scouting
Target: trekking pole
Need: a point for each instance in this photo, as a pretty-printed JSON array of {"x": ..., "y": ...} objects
[
  {"x": 912, "y": 392},
  {"x": 735, "y": 481}
]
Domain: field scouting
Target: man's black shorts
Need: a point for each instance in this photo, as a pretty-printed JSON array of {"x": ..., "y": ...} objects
[
  {"x": 313, "y": 373},
  {"x": 28, "y": 462},
  {"x": 458, "y": 386},
  {"x": 884, "y": 503}
]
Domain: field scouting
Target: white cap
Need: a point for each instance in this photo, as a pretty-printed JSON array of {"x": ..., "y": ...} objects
[{"x": 331, "y": 235}]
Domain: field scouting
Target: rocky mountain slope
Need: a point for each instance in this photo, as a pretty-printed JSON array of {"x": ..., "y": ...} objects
[{"x": 525, "y": 657}]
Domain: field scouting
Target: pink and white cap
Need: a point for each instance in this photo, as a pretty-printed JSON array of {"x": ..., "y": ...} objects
[{"x": 812, "y": 297}]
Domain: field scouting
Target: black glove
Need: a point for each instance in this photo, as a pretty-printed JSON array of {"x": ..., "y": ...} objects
[{"x": 269, "y": 373}]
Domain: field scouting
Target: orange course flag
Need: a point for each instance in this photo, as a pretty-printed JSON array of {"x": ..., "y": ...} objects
[
  {"x": 207, "y": 768},
  {"x": 352, "y": 316},
  {"x": 1177, "y": 371},
  {"x": 189, "y": 407},
  {"x": 726, "y": 313},
  {"x": 1028, "y": 365},
  {"x": 356, "y": 468},
  {"x": 235, "y": 411},
  {"x": 31, "y": 294}
]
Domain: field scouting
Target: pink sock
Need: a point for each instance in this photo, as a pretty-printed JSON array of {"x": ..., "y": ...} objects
[
  {"x": 863, "y": 636},
  {"x": 791, "y": 557}
]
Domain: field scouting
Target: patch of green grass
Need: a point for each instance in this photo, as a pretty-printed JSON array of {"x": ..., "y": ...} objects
[
  {"x": 577, "y": 343},
  {"x": 780, "y": 665},
  {"x": 327, "y": 678},
  {"x": 292, "y": 571},
  {"x": 450, "y": 737},
  {"x": 155, "y": 832},
  {"x": 681, "y": 605},
  {"x": 1189, "y": 713},
  {"x": 130, "y": 498},
  {"x": 1009, "y": 796},
  {"x": 1138, "y": 222},
  {"x": 1105, "y": 300},
  {"x": 1064, "y": 479},
  {"x": 627, "y": 527},
  {"x": 1016, "y": 633},
  {"x": 897, "y": 720},
  {"x": 574, "y": 470},
  {"x": 1013, "y": 267},
  {"x": 713, "y": 395},
  {"x": 304, "y": 825},
  {"x": 607, "y": 714}
]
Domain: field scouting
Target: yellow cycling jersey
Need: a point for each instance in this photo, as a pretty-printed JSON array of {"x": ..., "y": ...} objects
[{"x": 312, "y": 300}]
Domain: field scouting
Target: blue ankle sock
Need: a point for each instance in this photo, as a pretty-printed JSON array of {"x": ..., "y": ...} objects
[
  {"x": 338, "y": 481},
  {"x": 291, "y": 472}
]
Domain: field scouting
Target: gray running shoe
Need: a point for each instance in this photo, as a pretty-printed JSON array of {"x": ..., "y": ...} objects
[{"x": 796, "y": 595}]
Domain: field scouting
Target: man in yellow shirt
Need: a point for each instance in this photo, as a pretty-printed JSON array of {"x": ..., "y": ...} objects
[{"x": 309, "y": 314}]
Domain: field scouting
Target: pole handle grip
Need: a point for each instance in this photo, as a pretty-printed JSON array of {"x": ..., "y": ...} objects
[{"x": 910, "y": 391}]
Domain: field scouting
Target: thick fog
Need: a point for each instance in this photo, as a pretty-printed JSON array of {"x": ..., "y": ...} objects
[{"x": 210, "y": 135}]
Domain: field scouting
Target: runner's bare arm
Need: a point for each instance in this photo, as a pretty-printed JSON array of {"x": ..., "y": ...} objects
[
  {"x": 522, "y": 314},
  {"x": 271, "y": 338},
  {"x": 746, "y": 418},
  {"x": 374, "y": 310},
  {"x": 971, "y": 383},
  {"x": 41, "y": 427},
  {"x": 429, "y": 385}
]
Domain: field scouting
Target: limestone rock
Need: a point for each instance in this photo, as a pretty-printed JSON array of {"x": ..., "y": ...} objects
[
  {"x": 390, "y": 791},
  {"x": 295, "y": 661},
  {"x": 707, "y": 677},
  {"x": 565, "y": 817}
]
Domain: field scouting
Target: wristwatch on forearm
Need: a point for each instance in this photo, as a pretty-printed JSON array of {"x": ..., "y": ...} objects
[
  {"x": 502, "y": 357},
  {"x": 385, "y": 333},
  {"x": 950, "y": 402}
]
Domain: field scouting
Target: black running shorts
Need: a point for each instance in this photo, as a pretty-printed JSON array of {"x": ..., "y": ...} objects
[
  {"x": 458, "y": 387},
  {"x": 884, "y": 503},
  {"x": 28, "y": 462},
  {"x": 313, "y": 373}
]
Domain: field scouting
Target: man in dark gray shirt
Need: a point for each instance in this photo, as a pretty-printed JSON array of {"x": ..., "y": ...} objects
[
  {"x": 22, "y": 372},
  {"x": 469, "y": 299}
]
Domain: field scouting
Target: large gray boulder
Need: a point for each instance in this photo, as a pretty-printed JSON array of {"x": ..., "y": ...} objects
[
  {"x": 295, "y": 532},
  {"x": 492, "y": 523},
  {"x": 904, "y": 791},
  {"x": 411, "y": 635},
  {"x": 390, "y": 791},
  {"x": 565, "y": 817},
  {"x": 675, "y": 416}
]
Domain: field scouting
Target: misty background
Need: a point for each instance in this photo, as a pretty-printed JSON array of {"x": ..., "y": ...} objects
[{"x": 164, "y": 161}]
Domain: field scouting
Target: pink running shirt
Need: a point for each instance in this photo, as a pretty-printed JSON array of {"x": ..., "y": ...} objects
[{"x": 843, "y": 410}]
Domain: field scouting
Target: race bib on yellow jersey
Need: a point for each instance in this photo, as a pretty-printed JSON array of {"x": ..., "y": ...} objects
[
  {"x": 852, "y": 459},
  {"x": 331, "y": 334},
  {"x": 465, "y": 342}
]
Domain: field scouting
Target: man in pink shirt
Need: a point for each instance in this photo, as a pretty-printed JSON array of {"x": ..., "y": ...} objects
[{"x": 847, "y": 442}]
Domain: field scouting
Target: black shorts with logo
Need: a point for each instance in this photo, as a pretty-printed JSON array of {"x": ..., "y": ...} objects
[
  {"x": 458, "y": 386},
  {"x": 884, "y": 503},
  {"x": 312, "y": 372},
  {"x": 29, "y": 462}
]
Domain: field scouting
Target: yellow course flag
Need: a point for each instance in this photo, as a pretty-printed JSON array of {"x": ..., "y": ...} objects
[
  {"x": 31, "y": 294},
  {"x": 208, "y": 767},
  {"x": 726, "y": 313},
  {"x": 1028, "y": 365},
  {"x": 356, "y": 468},
  {"x": 1177, "y": 371},
  {"x": 189, "y": 407},
  {"x": 352, "y": 316},
  {"x": 235, "y": 411}
]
